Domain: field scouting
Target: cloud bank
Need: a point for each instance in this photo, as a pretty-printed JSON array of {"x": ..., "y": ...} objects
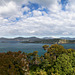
[{"x": 37, "y": 18}]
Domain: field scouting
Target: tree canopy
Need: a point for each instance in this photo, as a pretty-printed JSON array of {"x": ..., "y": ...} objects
[{"x": 56, "y": 61}]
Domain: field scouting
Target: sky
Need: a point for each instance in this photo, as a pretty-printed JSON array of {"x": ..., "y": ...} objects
[{"x": 22, "y": 18}]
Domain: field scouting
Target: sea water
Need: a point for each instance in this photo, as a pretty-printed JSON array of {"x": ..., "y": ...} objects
[{"x": 28, "y": 47}]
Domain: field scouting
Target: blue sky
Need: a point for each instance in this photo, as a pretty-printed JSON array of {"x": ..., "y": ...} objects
[{"x": 53, "y": 18}]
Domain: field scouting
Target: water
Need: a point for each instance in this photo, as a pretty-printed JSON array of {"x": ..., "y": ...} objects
[
  {"x": 67, "y": 46},
  {"x": 28, "y": 47}
]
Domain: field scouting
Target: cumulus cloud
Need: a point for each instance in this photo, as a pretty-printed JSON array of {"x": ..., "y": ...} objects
[
  {"x": 8, "y": 8},
  {"x": 18, "y": 2},
  {"x": 52, "y": 5},
  {"x": 26, "y": 9},
  {"x": 37, "y": 22},
  {"x": 70, "y": 5}
]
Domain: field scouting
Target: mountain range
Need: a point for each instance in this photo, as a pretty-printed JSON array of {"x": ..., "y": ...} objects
[{"x": 34, "y": 39}]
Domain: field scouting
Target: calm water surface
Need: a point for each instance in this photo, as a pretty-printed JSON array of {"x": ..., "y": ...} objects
[{"x": 28, "y": 47}]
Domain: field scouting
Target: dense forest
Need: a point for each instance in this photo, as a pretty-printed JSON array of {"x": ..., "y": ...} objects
[{"x": 56, "y": 61}]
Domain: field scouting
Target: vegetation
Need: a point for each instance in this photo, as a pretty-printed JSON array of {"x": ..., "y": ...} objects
[
  {"x": 51, "y": 41},
  {"x": 56, "y": 61}
]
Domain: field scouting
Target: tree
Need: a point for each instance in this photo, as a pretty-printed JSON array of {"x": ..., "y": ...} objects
[
  {"x": 41, "y": 72},
  {"x": 63, "y": 65},
  {"x": 46, "y": 47}
]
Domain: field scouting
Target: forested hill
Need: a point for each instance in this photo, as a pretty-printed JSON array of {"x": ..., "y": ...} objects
[
  {"x": 56, "y": 61},
  {"x": 37, "y": 40},
  {"x": 51, "y": 41}
]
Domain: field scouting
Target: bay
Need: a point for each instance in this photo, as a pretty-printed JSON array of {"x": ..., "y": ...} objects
[{"x": 28, "y": 47}]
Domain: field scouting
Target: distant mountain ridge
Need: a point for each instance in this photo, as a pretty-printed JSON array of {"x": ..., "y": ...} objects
[
  {"x": 67, "y": 38},
  {"x": 19, "y": 39},
  {"x": 37, "y": 40}
]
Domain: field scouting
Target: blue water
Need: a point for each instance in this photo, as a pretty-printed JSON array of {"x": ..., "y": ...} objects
[{"x": 27, "y": 47}]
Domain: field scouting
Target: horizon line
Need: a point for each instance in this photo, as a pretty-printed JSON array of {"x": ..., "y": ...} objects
[{"x": 39, "y": 36}]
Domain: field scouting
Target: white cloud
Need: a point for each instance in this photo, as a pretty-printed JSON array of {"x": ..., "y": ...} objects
[
  {"x": 45, "y": 3},
  {"x": 37, "y": 13},
  {"x": 52, "y": 5},
  {"x": 41, "y": 25},
  {"x": 18, "y": 2},
  {"x": 25, "y": 9},
  {"x": 8, "y": 8},
  {"x": 71, "y": 5},
  {"x": 36, "y": 22}
]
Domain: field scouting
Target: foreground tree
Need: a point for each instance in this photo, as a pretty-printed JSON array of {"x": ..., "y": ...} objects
[
  {"x": 46, "y": 47},
  {"x": 56, "y": 61},
  {"x": 63, "y": 65}
]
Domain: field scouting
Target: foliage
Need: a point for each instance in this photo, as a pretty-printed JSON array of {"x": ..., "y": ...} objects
[{"x": 56, "y": 61}]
